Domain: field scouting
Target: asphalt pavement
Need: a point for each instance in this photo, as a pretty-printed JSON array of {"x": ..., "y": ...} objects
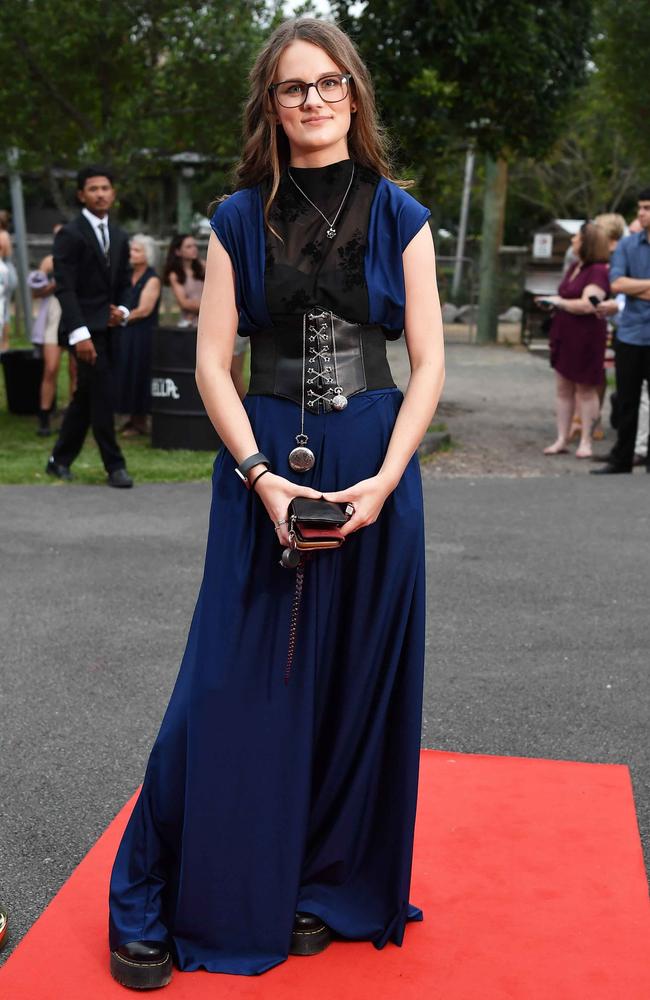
[{"x": 537, "y": 642}]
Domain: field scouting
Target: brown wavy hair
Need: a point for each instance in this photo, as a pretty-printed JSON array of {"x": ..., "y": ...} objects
[
  {"x": 266, "y": 148},
  {"x": 174, "y": 264}
]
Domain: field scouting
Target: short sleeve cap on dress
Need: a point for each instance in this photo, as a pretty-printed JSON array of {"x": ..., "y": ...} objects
[
  {"x": 238, "y": 224},
  {"x": 396, "y": 217}
]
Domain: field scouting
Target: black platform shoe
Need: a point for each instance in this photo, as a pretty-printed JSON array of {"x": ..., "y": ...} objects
[
  {"x": 142, "y": 965},
  {"x": 310, "y": 935}
]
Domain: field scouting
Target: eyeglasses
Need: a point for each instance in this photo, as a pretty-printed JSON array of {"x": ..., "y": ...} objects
[{"x": 293, "y": 93}]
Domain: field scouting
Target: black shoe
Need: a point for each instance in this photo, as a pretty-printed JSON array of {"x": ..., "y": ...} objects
[
  {"x": 60, "y": 471},
  {"x": 310, "y": 935},
  {"x": 120, "y": 479},
  {"x": 43, "y": 429},
  {"x": 609, "y": 470},
  {"x": 142, "y": 965}
]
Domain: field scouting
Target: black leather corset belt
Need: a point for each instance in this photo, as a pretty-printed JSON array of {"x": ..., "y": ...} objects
[{"x": 312, "y": 358}]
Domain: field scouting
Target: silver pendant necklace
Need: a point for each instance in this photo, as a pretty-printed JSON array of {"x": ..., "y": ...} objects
[
  {"x": 302, "y": 458},
  {"x": 331, "y": 231}
]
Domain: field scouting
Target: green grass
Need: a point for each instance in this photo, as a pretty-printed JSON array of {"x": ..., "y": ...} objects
[{"x": 23, "y": 455}]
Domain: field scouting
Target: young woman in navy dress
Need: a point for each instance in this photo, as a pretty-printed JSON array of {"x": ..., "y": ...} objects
[{"x": 278, "y": 805}]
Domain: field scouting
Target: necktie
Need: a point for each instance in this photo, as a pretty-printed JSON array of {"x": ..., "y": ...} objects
[{"x": 104, "y": 236}]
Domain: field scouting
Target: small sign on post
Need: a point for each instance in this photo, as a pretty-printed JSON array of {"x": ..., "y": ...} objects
[{"x": 543, "y": 245}]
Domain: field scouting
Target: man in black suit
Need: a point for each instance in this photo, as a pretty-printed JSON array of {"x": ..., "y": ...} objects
[{"x": 92, "y": 274}]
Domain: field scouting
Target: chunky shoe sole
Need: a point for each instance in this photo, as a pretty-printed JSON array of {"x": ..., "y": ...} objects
[
  {"x": 141, "y": 975},
  {"x": 310, "y": 942}
]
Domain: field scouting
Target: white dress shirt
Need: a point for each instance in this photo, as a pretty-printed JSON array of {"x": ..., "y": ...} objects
[{"x": 82, "y": 332}]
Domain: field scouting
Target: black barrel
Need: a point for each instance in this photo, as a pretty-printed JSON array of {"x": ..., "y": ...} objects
[
  {"x": 23, "y": 372},
  {"x": 178, "y": 417}
]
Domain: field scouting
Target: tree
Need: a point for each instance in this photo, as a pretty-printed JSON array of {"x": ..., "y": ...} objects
[
  {"x": 496, "y": 72},
  {"x": 590, "y": 169},
  {"x": 620, "y": 52},
  {"x": 129, "y": 82}
]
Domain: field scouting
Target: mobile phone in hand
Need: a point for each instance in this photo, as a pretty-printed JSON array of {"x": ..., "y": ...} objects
[{"x": 595, "y": 301}]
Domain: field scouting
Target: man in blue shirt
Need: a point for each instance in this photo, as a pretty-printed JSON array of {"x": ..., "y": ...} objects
[{"x": 629, "y": 274}]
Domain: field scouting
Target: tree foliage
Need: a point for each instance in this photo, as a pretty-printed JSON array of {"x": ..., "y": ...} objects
[
  {"x": 590, "y": 168},
  {"x": 137, "y": 81},
  {"x": 129, "y": 82},
  {"x": 497, "y": 72},
  {"x": 621, "y": 52}
]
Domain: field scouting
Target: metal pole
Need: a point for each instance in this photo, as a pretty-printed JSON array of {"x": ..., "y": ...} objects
[
  {"x": 462, "y": 225},
  {"x": 184, "y": 200},
  {"x": 20, "y": 234}
]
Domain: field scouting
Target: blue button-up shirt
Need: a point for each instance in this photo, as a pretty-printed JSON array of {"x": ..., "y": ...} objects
[{"x": 631, "y": 259}]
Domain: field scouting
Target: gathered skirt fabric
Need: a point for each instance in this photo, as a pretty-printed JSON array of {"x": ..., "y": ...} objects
[
  {"x": 261, "y": 798},
  {"x": 133, "y": 390}
]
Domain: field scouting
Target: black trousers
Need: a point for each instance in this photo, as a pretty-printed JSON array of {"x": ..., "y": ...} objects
[
  {"x": 92, "y": 406},
  {"x": 632, "y": 369}
]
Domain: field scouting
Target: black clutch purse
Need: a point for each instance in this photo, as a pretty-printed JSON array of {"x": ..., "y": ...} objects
[{"x": 316, "y": 524}]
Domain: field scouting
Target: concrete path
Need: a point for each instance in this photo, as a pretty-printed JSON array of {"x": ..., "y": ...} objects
[{"x": 498, "y": 403}]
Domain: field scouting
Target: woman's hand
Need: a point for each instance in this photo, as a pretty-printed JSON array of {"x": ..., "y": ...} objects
[
  {"x": 547, "y": 302},
  {"x": 607, "y": 308},
  {"x": 276, "y": 493},
  {"x": 367, "y": 498}
]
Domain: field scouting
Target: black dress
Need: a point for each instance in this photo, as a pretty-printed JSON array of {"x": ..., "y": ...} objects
[{"x": 134, "y": 368}]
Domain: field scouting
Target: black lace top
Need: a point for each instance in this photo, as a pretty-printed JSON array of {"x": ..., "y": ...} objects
[{"x": 306, "y": 268}]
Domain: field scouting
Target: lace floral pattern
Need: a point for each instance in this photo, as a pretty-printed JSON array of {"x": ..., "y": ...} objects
[{"x": 305, "y": 268}]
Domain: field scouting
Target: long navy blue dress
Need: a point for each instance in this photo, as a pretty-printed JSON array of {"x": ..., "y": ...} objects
[{"x": 262, "y": 798}]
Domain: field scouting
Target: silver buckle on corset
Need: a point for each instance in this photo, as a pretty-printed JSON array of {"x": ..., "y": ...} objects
[
  {"x": 322, "y": 353},
  {"x": 321, "y": 387}
]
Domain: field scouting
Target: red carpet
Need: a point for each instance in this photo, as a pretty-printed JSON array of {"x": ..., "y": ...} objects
[{"x": 530, "y": 874}]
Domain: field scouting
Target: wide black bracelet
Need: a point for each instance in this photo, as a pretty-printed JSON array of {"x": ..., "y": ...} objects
[
  {"x": 245, "y": 467},
  {"x": 259, "y": 476}
]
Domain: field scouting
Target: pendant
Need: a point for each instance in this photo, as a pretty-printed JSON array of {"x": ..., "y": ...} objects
[
  {"x": 331, "y": 233},
  {"x": 338, "y": 400},
  {"x": 301, "y": 459},
  {"x": 290, "y": 558}
]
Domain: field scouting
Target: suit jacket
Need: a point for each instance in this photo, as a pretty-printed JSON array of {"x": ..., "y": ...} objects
[{"x": 85, "y": 285}]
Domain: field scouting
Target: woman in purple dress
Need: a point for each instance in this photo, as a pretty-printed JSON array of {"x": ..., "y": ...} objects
[{"x": 578, "y": 338}]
